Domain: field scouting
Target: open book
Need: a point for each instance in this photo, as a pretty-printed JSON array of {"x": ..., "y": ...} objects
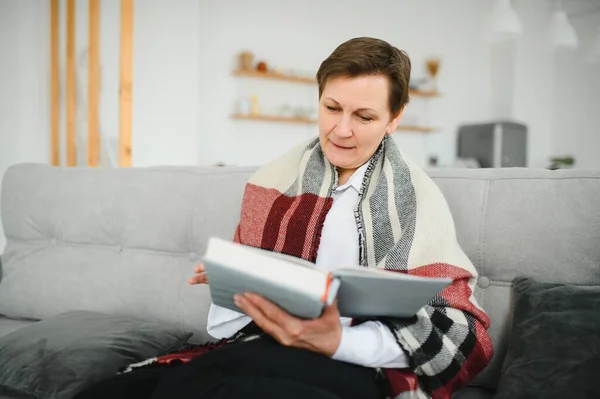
[{"x": 303, "y": 290}]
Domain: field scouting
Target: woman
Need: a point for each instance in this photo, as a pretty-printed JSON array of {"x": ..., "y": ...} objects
[{"x": 348, "y": 197}]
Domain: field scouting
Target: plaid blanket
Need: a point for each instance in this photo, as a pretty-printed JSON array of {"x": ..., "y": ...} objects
[{"x": 404, "y": 225}]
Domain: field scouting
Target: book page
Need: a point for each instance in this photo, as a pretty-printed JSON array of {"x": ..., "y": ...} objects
[
  {"x": 279, "y": 269},
  {"x": 382, "y": 293},
  {"x": 284, "y": 257}
]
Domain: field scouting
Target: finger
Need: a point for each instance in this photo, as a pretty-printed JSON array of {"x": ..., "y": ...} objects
[
  {"x": 330, "y": 313},
  {"x": 332, "y": 309},
  {"x": 251, "y": 309},
  {"x": 291, "y": 326},
  {"x": 256, "y": 314},
  {"x": 269, "y": 309},
  {"x": 199, "y": 268},
  {"x": 198, "y": 279}
]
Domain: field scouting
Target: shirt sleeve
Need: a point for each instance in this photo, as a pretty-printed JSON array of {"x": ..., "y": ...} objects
[
  {"x": 370, "y": 344},
  {"x": 223, "y": 322}
]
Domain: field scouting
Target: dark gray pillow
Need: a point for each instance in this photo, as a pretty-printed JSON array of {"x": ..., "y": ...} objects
[
  {"x": 57, "y": 357},
  {"x": 554, "y": 346}
]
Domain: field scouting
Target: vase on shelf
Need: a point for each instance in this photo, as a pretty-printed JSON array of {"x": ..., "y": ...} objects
[
  {"x": 433, "y": 68},
  {"x": 254, "y": 109}
]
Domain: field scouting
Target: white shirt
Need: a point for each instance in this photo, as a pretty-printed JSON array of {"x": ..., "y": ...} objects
[{"x": 370, "y": 344}]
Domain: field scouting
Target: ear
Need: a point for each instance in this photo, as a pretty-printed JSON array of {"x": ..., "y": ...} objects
[{"x": 393, "y": 123}]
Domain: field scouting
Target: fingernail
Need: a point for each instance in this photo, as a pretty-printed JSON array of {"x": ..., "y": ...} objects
[{"x": 237, "y": 299}]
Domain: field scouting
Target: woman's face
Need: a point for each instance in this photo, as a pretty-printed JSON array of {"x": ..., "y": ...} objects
[{"x": 354, "y": 116}]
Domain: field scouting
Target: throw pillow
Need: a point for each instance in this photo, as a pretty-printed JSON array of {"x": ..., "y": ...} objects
[
  {"x": 554, "y": 346},
  {"x": 58, "y": 357}
]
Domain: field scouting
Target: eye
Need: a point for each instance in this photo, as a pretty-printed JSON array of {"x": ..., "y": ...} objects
[
  {"x": 331, "y": 108},
  {"x": 365, "y": 118}
]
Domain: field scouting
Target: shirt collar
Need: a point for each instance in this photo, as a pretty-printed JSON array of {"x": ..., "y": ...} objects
[{"x": 356, "y": 179}]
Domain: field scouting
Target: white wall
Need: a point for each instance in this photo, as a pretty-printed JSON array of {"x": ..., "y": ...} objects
[
  {"x": 576, "y": 109},
  {"x": 23, "y": 89},
  {"x": 523, "y": 81},
  {"x": 533, "y": 84},
  {"x": 165, "y": 89},
  {"x": 557, "y": 93}
]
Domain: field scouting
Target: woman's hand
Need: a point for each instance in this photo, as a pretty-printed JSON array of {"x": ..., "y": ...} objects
[
  {"x": 321, "y": 335},
  {"x": 199, "y": 276}
]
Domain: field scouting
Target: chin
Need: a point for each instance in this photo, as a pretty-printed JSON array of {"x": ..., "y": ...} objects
[
  {"x": 339, "y": 158},
  {"x": 337, "y": 161}
]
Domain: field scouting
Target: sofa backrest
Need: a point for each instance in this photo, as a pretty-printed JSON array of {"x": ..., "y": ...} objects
[
  {"x": 523, "y": 222},
  {"x": 121, "y": 241},
  {"x": 125, "y": 241}
]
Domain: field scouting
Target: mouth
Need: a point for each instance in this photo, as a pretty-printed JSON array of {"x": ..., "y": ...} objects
[{"x": 341, "y": 147}]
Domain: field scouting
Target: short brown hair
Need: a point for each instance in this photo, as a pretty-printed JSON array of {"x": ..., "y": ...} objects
[{"x": 369, "y": 56}]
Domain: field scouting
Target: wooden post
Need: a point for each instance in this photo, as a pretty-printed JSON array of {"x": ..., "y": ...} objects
[
  {"x": 94, "y": 84},
  {"x": 125, "y": 86},
  {"x": 71, "y": 87},
  {"x": 54, "y": 83}
]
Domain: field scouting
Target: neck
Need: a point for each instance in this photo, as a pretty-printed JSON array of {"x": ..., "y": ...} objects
[{"x": 344, "y": 175}]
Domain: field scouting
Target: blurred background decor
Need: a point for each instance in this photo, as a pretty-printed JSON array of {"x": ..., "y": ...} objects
[{"x": 75, "y": 74}]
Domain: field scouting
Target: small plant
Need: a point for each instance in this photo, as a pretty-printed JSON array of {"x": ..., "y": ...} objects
[{"x": 561, "y": 162}]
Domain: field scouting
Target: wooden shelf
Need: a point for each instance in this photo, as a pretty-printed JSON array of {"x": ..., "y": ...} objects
[
  {"x": 423, "y": 93},
  {"x": 418, "y": 129},
  {"x": 309, "y": 79},
  {"x": 275, "y": 75},
  {"x": 275, "y": 118}
]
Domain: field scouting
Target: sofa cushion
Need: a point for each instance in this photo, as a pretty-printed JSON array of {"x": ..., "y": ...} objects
[
  {"x": 554, "y": 346},
  {"x": 9, "y": 325},
  {"x": 116, "y": 241},
  {"x": 59, "y": 356}
]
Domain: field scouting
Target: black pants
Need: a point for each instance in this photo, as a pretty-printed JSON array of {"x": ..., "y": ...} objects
[{"x": 256, "y": 369}]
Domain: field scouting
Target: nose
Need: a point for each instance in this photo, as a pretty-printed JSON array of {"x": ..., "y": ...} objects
[{"x": 343, "y": 128}]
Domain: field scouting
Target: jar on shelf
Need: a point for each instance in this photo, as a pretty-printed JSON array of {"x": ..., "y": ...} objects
[{"x": 246, "y": 61}]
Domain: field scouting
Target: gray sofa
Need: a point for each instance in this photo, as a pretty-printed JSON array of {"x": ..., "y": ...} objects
[{"x": 124, "y": 241}]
